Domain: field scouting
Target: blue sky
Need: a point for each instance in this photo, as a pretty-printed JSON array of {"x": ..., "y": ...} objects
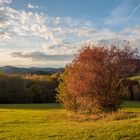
[{"x": 48, "y": 32}]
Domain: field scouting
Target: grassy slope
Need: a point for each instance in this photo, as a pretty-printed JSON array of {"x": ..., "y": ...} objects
[{"x": 48, "y": 121}]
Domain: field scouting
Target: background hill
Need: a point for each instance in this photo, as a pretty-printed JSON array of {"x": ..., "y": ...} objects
[{"x": 31, "y": 70}]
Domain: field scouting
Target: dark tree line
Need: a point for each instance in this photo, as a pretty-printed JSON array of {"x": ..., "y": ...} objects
[
  {"x": 28, "y": 89},
  {"x": 131, "y": 89}
]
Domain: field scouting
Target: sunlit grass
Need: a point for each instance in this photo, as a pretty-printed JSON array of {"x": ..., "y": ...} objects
[
  {"x": 49, "y": 121},
  {"x": 137, "y": 78}
]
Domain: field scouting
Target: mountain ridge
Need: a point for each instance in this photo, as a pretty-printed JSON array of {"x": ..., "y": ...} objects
[{"x": 30, "y": 70}]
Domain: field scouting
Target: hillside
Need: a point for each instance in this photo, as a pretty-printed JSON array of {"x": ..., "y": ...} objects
[{"x": 31, "y": 70}]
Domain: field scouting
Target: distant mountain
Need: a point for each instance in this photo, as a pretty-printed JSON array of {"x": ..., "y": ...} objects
[{"x": 31, "y": 70}]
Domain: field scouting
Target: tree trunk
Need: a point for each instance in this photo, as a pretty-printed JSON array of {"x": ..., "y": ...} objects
[{"x": 131, "y": 93}]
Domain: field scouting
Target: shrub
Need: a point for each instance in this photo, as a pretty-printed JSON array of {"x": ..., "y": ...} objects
[{"x": 91, "y": 82}]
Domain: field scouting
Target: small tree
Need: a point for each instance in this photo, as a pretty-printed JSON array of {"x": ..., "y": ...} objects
[{"x": 91, "y": 82}]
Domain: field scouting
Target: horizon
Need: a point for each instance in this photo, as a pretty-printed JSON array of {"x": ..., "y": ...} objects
[
  {"x": 48, "y": 33},
  {"x": 28, "y": 67}
]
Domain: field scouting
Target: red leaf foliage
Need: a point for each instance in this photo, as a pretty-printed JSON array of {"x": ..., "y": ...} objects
[{"x": 91, "y": 82}]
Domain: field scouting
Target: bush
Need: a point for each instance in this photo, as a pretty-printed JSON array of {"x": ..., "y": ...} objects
[{"x": 92, "y": 81}]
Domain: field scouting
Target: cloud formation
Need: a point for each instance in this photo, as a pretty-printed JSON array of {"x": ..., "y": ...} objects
[
  {"x": 5, "y": 1},
  {"x": 40, "y": 56},
  {"x": 2, "y": 22},
  {"x": 31, "y": 6},
  {"x": 28, "y": 33}
]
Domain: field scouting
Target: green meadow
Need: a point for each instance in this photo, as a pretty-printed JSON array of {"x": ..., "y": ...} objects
[{"x": 51, "y": 122}]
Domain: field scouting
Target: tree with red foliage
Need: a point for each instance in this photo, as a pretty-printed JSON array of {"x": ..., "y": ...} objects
[{"x": 92, "y": 81}]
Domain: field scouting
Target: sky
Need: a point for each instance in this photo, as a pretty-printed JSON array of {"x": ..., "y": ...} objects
[{"x": 47, "y": 33}]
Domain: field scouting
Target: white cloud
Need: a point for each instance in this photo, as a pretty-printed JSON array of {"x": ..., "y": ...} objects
[
  {"x": 4, "y": 37},
  {"x": 51, "y": 34},
  {"x": 2, "y": 23},
  {"x": 5, "y": 1},
  {"x": 41, "y": 56},
  {"x": 26, "y": 62},
  {"x": 24, "y": 23},
  {"x": 133, "y": 30},
  {"x": 27, "y": 24},
  {"x": 36, "y": 35},
  {"x": 61, "y": 47},
  {"x": 31, "y": 6}
]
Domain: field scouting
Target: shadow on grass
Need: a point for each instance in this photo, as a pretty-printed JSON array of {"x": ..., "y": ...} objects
[
  {"x": 130, "y": 104},
  {"x": 14, "y": 122},
  {"x": 31, "y": 106}
]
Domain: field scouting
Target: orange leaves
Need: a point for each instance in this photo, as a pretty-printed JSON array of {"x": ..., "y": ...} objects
[{"x": 92, "y": 78}]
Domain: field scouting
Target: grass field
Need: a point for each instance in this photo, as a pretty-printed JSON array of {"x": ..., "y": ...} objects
[
  {"x": 49, "y": 121},
  {"x": 137, "y": 78}
]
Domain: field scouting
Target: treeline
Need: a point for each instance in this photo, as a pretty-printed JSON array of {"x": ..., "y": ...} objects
[
  {"x": 28, "y": 88},
  {"x": 42, "y": 89}
]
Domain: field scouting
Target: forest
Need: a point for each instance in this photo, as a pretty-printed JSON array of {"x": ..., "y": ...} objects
[{"x": 28, "y": 88}]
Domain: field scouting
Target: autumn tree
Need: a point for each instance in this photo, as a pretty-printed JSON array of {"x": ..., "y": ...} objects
[{"x": 92, "y": 81}]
